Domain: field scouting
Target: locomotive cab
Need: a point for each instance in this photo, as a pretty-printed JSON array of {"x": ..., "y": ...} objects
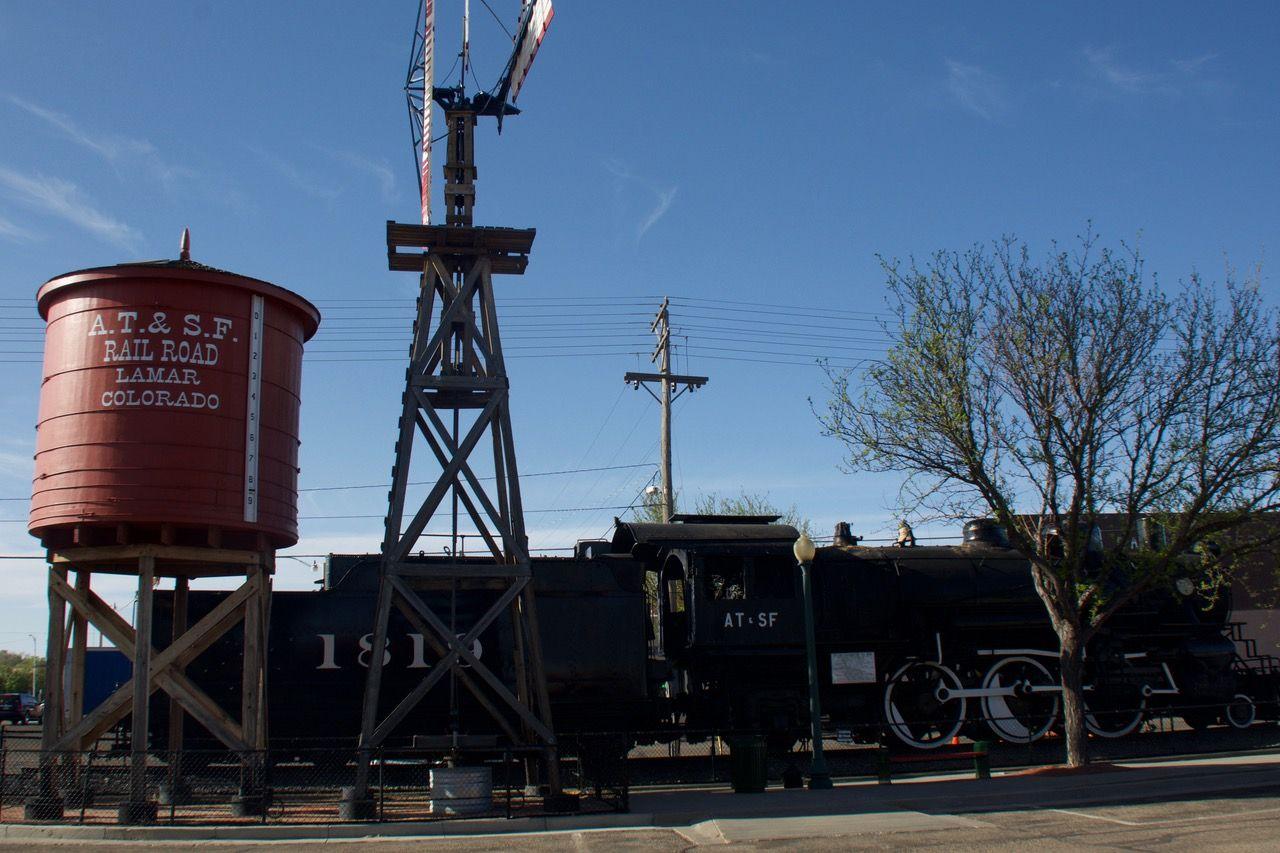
[{"x": 727, "y": 594}]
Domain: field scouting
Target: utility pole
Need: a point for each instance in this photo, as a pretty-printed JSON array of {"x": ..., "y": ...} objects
[{"x": 661, "y": 326}]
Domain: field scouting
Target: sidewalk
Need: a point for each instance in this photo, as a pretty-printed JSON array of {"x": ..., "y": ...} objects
[
  {"x": 718, "y": 815},
  {"x": 943, "y": 802}
]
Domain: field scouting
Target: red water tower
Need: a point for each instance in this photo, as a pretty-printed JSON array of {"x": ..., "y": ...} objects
[
  {"x": 169, "y": 408},
  {"x": 166, "y": 447}
]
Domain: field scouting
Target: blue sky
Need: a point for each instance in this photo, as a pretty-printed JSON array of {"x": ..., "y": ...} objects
[{"x": 734, "y": 156}]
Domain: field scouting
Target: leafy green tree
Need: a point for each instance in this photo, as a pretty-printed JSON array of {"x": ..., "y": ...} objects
[
  {"x": 15, "y": 672},
  {"x": 1047, "y": 394}
]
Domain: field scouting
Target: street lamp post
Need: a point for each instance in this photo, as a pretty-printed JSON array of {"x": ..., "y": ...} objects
[{"x": 819, "y": 778}]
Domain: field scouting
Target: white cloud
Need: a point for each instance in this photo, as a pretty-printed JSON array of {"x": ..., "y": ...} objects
[
  {"x": 306, "y": 183},
  {"x": 1179, "y": 76},
  {"x": 977, "y": 90},
  {"x": 13, "y": 232},
  {"x": 64, "y": 200},
  {"x": 379, "y": 169},
  {"x": 107, "y": 145},
  {"x": 116, "y": 149},
  {"x": 663, "y": 196}
]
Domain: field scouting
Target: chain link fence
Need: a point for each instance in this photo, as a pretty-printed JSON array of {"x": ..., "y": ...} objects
[
  {"x": 295, "y": 784},
  {"x": 310, "y": 782}
]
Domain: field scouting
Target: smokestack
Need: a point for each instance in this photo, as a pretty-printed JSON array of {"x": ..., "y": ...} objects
[{"x": 843, "y": 537}]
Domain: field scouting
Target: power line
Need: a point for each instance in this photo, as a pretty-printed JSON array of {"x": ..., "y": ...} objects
[
  {"x": 428, "y": 483},
  {"x": 527, "y": 512}
]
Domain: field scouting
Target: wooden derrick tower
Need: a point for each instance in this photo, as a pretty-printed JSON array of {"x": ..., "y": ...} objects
[{"x": 456, "y": 402}]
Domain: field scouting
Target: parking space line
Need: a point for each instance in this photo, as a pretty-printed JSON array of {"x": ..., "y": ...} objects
[{"x": 1123, "y": 822}]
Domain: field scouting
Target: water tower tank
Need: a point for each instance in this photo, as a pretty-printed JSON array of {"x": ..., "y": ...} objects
[{"x": 169, "y": 408}]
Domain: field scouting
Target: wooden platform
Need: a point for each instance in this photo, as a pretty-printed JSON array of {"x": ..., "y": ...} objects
[{"x": 507, "y": 248}]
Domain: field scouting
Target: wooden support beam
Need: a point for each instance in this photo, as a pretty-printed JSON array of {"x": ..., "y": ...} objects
[
  {"x": 114, "y": 627},
  {"x": 205, "y": 711},
  {"x": 442, "y": 445},
  {"x": 251, "y": 692},
  {"x": 141, "y": 708},
  {"x": 428, "y": 636},
  {"x": 373, "y": 684},
  {"x": 467, "y": 502},
  {"x": 409, "y": 536},
  {"x": 233, "y": 561},
  {"x": 54, "y": 647},
  {"x": 177, "y": 716},
  {"x": 462, "y": 648},
  {"x": 674, "y": 378},
  {"x": 465, "y": 383},
  {"x": 411, "y": 599},
  {"x": 455, "y": 311},
  {"x": 466, "y": 573},
  {"x": 73, "y": 708}
]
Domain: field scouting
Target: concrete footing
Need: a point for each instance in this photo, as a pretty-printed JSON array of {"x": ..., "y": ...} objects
[{"x": 137, "y": 812}]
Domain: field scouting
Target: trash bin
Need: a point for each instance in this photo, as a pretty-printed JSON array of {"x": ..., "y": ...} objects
[{"x": 750, "y": 764}]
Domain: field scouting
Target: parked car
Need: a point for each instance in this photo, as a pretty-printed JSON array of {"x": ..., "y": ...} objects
[{"x": 17, "y": 707}]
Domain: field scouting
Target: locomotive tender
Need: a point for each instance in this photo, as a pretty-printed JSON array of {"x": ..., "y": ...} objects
[{"x": 680, "y": 628}]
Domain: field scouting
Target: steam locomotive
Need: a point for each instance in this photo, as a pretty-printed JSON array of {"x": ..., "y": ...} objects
[{"x": 698, "y": 625}]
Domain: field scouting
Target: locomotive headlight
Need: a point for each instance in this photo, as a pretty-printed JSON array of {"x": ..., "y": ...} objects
[{"x": 1184, "y": 586}]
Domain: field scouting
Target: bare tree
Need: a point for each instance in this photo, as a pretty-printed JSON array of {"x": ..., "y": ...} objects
[{"x": 1047, "y": 394}]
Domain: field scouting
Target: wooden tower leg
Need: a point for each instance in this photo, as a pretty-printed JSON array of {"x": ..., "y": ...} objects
[
  {"x": 550, "y": 750},
  {"x": 138, "y": 808},
  {"x": 47, "y": 802},
  {"x": 177, "y": 792},
  {"x": 73, "y": 707},
  {"x": 252, "y": 797},
  {"x": 73, "y": 692}
]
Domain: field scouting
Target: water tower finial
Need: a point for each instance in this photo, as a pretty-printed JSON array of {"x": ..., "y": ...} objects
[{"x": 184, "y": 247}]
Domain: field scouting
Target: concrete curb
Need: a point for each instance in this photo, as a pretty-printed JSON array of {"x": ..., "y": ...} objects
[{"x": 327, "y": 831}]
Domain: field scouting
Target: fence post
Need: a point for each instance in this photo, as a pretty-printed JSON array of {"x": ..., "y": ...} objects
[
  {"x": 382, "y": 785},
  {"x": 264, "y": 780},
  {"x": 883, "y": 772},
  {"x": 84, "y": 786},
  {"x": 981, "y": 760}
]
